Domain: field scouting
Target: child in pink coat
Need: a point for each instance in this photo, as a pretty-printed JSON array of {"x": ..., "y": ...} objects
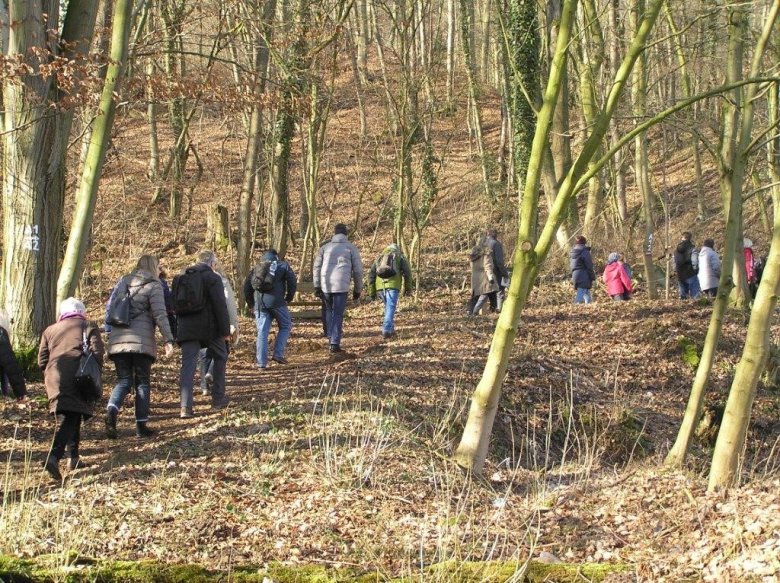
[{"x": 616, "y": 279}]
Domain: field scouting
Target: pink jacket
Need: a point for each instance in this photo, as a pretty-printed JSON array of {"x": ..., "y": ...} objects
[{"x": 616, "y": 279}]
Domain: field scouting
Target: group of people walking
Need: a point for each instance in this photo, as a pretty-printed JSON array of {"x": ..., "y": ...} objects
[
  {"x": 617, "y": 274},
  {"x": 198, "y": 312}
]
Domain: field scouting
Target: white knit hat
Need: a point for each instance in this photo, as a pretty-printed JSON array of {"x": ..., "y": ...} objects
[
  {"x": 747, "y": 243},
  {"x": 72, "y": 306}
]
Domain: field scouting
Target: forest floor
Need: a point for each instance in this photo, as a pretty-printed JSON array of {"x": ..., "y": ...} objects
[{"x": 346, "y": 465}]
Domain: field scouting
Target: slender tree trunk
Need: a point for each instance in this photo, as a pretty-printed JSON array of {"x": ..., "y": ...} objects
[
  {"x": 614, "y": 131},
  {"x": 732, "y": 163},
  {"x": 451, "y": 17},
  {"x": 473, "y": 447},
  {"x": 96, "y": 154}
]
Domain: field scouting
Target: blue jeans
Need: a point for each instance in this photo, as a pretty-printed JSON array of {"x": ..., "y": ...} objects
[
  {"x": 132, "y": 368},
  {"x": 689, "y": 288},
  {"x": 582, "y": 296},
  {"x": 263, "y": 319},
  {"x": 390, "y": 298},
  {"x": 216, "y": 349},
  {"x": 335, "y": 306}
]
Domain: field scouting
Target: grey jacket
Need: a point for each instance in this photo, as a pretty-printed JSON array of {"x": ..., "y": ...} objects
[
  {"x": 147, "y": 307},
  {"x": 335, "y": 264},
  {"x": 499, "y": 265},
  {"x": 483, "y": 273}
]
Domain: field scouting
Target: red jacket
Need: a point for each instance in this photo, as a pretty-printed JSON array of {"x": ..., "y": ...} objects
[{"x": 616, "y": 278}]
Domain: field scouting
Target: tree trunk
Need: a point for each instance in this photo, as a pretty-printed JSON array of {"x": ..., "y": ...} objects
[
  {"x": 86, "y": 195},
  {"x": 473, "y": 447},
  {"x": 217, "y": 229},
  {"x": 34, "y": 146},
  {"x": 732, "y": 163}
]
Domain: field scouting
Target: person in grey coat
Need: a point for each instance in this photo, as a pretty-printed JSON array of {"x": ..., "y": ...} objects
[
  {"x": 709, "y": 269},
  {"x": 336, "y": 264},
  {"x": 484, "y": 282},
  {"x": 134, "y": 348},
  {"x": 499, "y": 267}
]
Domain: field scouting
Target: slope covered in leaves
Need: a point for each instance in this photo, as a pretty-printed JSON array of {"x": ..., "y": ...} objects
[{"x": 346, "y": 465}]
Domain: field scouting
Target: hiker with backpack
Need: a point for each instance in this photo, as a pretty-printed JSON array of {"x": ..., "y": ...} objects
[
  {"x": 59, "y": 356},
  {"x": 336, "y": 264},
  {"x": 387, "y": 273},
  {"x": 136, "y": 304},
  {"x": 205, "y": 362},
  {"x": 686, "y": 264},
  {"x": 203, "y": 321},
  {"x": 709, "y": 269},
  {"x": 484, "y": 283},
  {"x": 267, "y": 289},
  {"x": 581, "y": 267}
]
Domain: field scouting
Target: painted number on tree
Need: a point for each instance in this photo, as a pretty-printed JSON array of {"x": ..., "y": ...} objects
[{"x": 32, "y": 240}]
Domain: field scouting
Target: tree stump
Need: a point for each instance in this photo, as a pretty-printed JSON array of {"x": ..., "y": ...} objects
[{"x": 217, "y": 233}]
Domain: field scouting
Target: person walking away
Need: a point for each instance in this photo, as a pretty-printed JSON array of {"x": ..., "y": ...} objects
[
  {"x": 616, "y": 279},
  {"x": 582, "y": 274},
  {"x": 388, "y": 274},
  {"x": 201, "y": 310},
  {"x": 499, "y": 268},
  {"x": 750, "y": 266},
  {"x": 133, "y": 348},
  {"x": 11, "y": 375},
  {"x": 483, "y": 278},
  {"x": 686, "y": 264},
  {"x": 709, "y": 269},
  {"x": 59, "y": 354},
  {"x": 336, "y": 264},
  {"x": 267, "y": 289},
  {"x": 205, "y": 362}
]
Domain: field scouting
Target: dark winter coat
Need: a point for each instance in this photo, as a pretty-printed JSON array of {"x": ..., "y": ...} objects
[
  {"x": 285, "y": 286},
  {"x": 147, "y": 307},
  {"x": 213, "y": 321},
  {"x": 499, "y": 263},
  {"x": 483, "y": 275},
  {"x": 58, "y": 357},
  {"x": 10, "y": 366},
  {"x": 581, "y": 265},
  {"x": 686, "y": 260}
]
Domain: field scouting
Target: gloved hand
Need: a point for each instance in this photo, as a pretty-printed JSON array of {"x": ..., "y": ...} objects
[
  {"x": 318, "y": 293},
  {"x": 168, "y": 349},
  {"x": 356, "y": 295}
]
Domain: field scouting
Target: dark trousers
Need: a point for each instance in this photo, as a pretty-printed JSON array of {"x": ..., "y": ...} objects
[
  {"x": 492, "y": 298},
  {"x": 132, "y": 369},
  {"x": 335, "y": 306},
  {"x": 67, "y": 434},
  {"x": 216, "y": 349},
  {"x": 206, "y": 364}
]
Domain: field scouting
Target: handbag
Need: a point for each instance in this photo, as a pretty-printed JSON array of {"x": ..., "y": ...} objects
[
  {"x": 89, "y": 375},
  {"x": 119, "y": 313}
]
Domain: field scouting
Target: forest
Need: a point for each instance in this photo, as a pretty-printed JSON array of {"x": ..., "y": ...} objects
[{"x": 546, "y": 441}]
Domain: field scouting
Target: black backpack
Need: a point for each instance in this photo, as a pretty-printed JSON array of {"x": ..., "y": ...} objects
[
  {"x": 189, "y": 297},
  {"x": 264, "y": 275},
  {"x": 386, "y": 265}
]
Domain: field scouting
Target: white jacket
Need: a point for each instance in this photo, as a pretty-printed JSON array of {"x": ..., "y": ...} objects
[
  {"x": 709, "y": 268},
  {"x": 336, "y": 263}
]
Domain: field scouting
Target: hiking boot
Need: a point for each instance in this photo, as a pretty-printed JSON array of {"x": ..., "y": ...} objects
[
  {"x": 186, "y": 413},
  {"x": 388, "y": 335},
  {"x": 111, "y": 415},
  {"x": 334, "y": 348},
  {"x": 141, "y": 430},
  {"x": 52, "y": 467},
  {"x": 205, "y": 390},
  {"x": 279, "y": 359},
  {"x": 219, "y": 405}
]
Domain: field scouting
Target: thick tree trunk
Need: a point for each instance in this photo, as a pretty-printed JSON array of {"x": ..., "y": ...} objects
[
  {"x": 96, "y": 154},
  {"x": 34, "y": 145}
]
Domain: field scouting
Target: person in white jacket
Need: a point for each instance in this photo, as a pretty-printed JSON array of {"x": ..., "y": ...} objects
[
  {"x": 336, "y": 264},
  {"x": 709, "y": 269}
]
